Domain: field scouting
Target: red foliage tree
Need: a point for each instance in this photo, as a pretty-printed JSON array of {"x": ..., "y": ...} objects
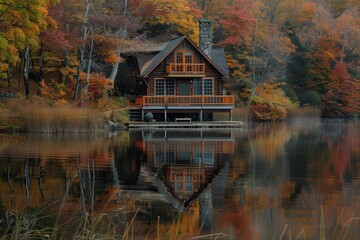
[
  {"x": 342, "y": 98},
  {"x": 322, "y": 57},
  {"x": 237, "y": 22}
]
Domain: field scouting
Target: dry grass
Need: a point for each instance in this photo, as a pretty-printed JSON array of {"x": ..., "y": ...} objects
[
  {"x": 62, "y": 120},
  {"x": 40, "y": 224},
  {"x": 39, "y": 116},
  {"x": 301, "y": 112}
]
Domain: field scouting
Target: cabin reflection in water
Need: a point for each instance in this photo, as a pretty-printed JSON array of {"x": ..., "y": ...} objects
[
  {"x": 188, "y": 162},
  {"x": 158, "y": 172}
]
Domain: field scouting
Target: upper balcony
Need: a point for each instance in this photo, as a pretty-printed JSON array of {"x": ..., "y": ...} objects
[{"x": 186, "y": 69}]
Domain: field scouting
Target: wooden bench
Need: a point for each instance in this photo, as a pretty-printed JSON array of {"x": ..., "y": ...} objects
[{"x": 182, "y": 119}]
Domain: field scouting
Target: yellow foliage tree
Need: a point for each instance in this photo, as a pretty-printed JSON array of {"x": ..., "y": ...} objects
[
  {"x": 178, "y": 15},
  {"x": 20, "y": 24},
  {"x": 270, "y": 102}
]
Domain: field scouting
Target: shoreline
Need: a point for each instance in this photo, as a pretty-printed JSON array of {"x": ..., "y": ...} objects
[{"x": 39, "y": 118}]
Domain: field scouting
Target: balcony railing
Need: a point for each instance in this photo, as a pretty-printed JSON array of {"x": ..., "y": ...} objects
[
  {"x": 185, "y": 100},
  {"x": 185, "y": 69}
]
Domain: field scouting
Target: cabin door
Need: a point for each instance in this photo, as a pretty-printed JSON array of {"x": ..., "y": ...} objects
[{"x": 183, "y": 89}]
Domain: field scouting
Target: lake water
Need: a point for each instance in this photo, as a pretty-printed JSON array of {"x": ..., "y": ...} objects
[{"x": 296, "y": 179}]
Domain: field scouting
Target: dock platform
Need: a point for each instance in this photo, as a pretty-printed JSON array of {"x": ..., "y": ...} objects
[{"x": 212, "y": 124}]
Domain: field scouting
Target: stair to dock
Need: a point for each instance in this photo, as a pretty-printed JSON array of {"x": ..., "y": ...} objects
[{"x": 135, "y": 114}]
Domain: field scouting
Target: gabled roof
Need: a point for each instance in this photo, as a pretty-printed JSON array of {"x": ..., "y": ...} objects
[
  {"x": 162, "y": 55},
  {"x": 218, "y": 56}
]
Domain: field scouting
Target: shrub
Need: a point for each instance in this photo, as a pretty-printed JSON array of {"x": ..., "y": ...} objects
[
  {"x": 290, "y": 93},
  {"x": 271, "y": 103},
  {"x": 309, "y": 97}
]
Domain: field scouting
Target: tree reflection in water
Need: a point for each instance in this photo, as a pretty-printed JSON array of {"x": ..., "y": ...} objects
[{"x": 249, "y": 183}]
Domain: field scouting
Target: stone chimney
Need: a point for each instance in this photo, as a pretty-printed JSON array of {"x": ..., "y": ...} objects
[{"x": 205, "y": 36}]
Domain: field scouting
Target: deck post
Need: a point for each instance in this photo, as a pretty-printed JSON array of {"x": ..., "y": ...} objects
[
  {"x": 142, "y": 114},
  {"x": 230, "y": 115},
  {"x": 165, "y": 115},
  {"x": 201, "y": 115}
]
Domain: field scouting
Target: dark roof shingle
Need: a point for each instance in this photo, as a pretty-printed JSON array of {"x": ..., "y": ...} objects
[
  {"x": 144, "y": 60},
  {"x": 219, "y": 59}
]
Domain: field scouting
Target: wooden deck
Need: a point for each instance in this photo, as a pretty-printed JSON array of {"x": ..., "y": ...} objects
[
  {"x": 201, "y": 100},
  {"x": 213, "y": 124}
]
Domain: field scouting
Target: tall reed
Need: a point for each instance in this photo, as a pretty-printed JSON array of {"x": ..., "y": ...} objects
[{"x": 62, "y": 120}]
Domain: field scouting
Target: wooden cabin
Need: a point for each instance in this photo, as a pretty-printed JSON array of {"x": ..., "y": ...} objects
[{"x": 176, "y": 80}]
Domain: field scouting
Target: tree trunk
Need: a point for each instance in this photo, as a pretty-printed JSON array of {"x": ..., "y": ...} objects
[
  {"x": 26, "y": 71},
  {"x": 114, "y": 70},
  {"x": 27, "y": 181},
  {"x": 41, "y": 181},
  {"x": 82, "y": 49},
  {"x": 67, "y": 58},
  {"x": 77, "y": 86},
  {"x": 125, "y": 6},
  {"x": 8, "y": 75},
  {"x": 86, "y": 86},
  {"x": 19, "y": 70},
  {"x": 116, "y": 65},
  {"x": 253, "y": 66},
  {"x": 41, "y": 70}
]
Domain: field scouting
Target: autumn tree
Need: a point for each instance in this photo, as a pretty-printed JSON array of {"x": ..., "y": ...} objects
[
  {"x": 20, "y": 25},
  {"x": 342, "y": 98},
  {"x": 270, "y": 48},
  {"x": 322, "y": 57},
  {"x": 175, "y": 16},
  {"x": 271, "y": 103},
  {"x": 347, "y": 32},
  {"x": 211, "y": 9},
  {"x": 236, "y": 27}
]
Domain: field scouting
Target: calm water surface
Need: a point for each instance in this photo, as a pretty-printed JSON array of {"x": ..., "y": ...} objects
[{"x": 294, "y": 179}]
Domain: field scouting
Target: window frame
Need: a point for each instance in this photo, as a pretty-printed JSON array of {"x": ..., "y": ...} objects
[
  {"x": 197, "y": 82},
  {"x": 156, "y": 80},
  {"x": 203, "y": 90},
  {"x": 212, "y": 87},
  {"x": 184, "y": 59},
  {"x": 177, "y": 58},
  {"x": 171, "y": 81}
]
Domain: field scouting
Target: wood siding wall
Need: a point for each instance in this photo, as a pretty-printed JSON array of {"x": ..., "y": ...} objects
[{"x": 210, "y": 71}]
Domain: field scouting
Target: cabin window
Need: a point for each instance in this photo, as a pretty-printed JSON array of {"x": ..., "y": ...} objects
[
  {"x": 188, "y": 57},
  {"x": 197, "y": 86},
  {"x": 160, "y": 157},
  {"x": 170, "y": 157},
  {"x": 179, "y": 57},
  {"x": 184, "y": 57},
  {"x": 203, "y": 86},
  {"x": 170, "y": 87},
  {"x": 208, "y": 158},
  {"x": 197, "y": 157},
  {"x": 159, "y": 86},
  {"x": 188, "y": 183},
  {"x": 208, "y": 86}
]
